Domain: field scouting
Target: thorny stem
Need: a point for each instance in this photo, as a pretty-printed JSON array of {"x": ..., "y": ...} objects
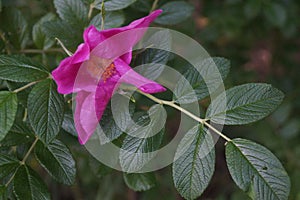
[
  {"x": 198, "y": 119},
  {"x": 23, "y": 161},
  {"x": 154, "y": 5}
]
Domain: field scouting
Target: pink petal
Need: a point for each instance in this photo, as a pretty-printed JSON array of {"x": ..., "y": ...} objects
[
  {"x": 80, "y": 99},
  {"x": 128, "y": 75},
  {"x": 66, "y": 73},
  {"x": 106, "y": 46},
  {"x": 90, "y": 108}
]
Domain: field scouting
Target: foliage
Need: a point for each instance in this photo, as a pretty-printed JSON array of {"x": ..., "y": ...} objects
[{"x": 37, "y": 131}]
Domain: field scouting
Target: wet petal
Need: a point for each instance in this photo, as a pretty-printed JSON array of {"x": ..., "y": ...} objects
[{"x": 128, "y": 75}]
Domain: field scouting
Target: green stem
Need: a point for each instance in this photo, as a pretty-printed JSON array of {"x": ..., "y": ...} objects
[
  {"x": 198, "y": 119},
  {"x": 154, "y": 5},
  {"x": 23, "y": 161},
  {"x": 64, "y": 48},
  {"x": 90, "y": 11},
  {"x": 29, "y": 151},
  {"x": 25, "y": 87},
  {"x": 41, "y": 51},
  {"x": 102, "y": 15},
  {"x": 6, "y": 42}
]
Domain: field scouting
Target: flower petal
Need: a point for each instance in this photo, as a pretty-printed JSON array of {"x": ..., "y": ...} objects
[
  {"x": 118, "y": 42},
  {"x": 80, "y": 99},
  {"x": 66, "y": 73},
  {"x": 128, "y": 75},
  {"x": 90, "y": 108}
]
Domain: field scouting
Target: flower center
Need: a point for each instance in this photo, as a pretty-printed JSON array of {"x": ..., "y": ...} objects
[{"x": 100, "y": 68}]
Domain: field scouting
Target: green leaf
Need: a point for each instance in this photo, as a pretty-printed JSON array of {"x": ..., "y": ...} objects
[
  {"x": 112, "y": 20},
  {"x": 20, "y": 69},
  {"x": 19, "y": 134},
  {"x": 16, "y": 27},
  {"x": 245, "y": 104},
  {"x": 74, "y": 12},
  {"x": 109, "y": 129},
  {"x": 21, "y": 95},
  {"x": 40, "y": 39},
  {"x": 45, "y": 110},
  {"x": 8, "y": 110},
  {"x": 140, "y": 182},
  {"x": 194, "y": 162},
  {"x": 174, "y": 13},
  {"x": 111, "y": 5},
  {"x": 98, "y": 168},
  {"x": 256, "y": 170},
  {"x": 8, "y": 165},
  {"x": 143, "y": 140},
  {"x": 142, "y": 5},
  {"x": 68, "y": 125},
  {"x": 195, "y": 86},
  {"x": 28, "y": 185},
  {"x": 153, "y": 59},
  {"x": 69, "y": 36},
  {"x": 57, "y": 160}
]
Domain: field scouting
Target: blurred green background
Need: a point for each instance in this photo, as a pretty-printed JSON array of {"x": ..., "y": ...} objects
[{"x": 261, "y": 38}]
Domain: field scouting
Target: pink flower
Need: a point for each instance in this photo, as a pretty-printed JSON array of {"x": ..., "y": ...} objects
[{"x": 97, "y": 67}]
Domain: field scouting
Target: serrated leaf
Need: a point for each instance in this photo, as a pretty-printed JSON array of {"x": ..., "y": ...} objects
[
  {"x": 8, "y": 110},
  {"x": 16, "y": 27},
  {"x": 68, "y": 125},
  {"x": 68, "y": 35},
  {"x": 20, "y": 69},
  {"x": 194, "y": 162},
  {"x": 39, "y": 37},
  {"x": 111, "y": 5},
  {"x": 74, "y": 12},
  {"x": 140, "y": 182},
  {"x": 45, "y": 110},
  {"x": 143, "y": 140},
  {"x": 112, "y": 20},
  {"x": 256, "y": 170},
  {"x": 57, "y": 160},
  {"x": 110, "y": 130},
  {"x": 197, "y": 83},
  {"x": 28, "y": 185},
  {"x": 245, "y": 104},
  {"x": 19, "y": 134},
  {"x": 174, "y": 12},
  {"x": 7, "y": 165},
  {"x": 21, "y": 95},
  {"x": 151, "y": 61}
]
